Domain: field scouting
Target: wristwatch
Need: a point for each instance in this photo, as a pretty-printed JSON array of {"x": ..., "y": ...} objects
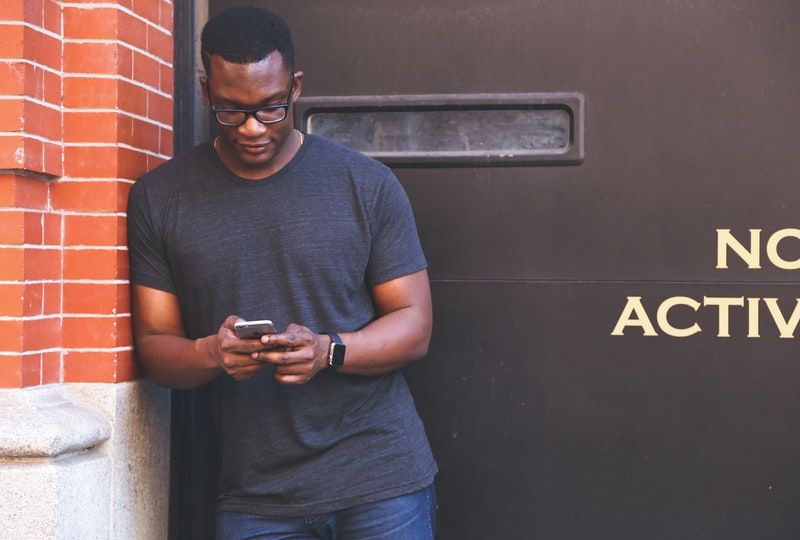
[{"x": 336, "y": 352}]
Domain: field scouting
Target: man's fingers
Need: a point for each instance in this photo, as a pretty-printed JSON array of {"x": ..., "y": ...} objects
[{"x": 285, "y": 357}]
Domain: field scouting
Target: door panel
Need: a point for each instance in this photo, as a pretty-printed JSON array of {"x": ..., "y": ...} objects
[{"x": 544, "y": 424}]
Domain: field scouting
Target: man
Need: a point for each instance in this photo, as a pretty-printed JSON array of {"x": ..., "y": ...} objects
[{"x": 318, "y": 434}]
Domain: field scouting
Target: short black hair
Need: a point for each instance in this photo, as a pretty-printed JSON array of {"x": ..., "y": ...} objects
[{"x": 246, "y": 35}]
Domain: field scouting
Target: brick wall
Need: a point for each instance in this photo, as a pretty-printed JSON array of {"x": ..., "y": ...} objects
[{"x": 85, "y": 108}]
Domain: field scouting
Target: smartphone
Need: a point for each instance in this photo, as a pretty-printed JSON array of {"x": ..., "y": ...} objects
[{"x": 253, "y": 329}]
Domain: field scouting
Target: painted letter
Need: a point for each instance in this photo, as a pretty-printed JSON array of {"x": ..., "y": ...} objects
[
  {"x": 726, "y": 240},
  {"x": 786, "y": 328},
  {"x": 634, "y": 306},
  {"x": 724, "y": 316},
  {"x": 663, "y": 320},
  {"x": 752, "y": 317},
  {"x": 772, "y": 249}
]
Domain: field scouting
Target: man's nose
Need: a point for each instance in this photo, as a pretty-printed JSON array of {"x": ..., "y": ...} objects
[{"x": 252, "y": 127}]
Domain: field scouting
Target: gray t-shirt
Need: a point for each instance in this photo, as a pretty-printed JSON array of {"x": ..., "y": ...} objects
[{"x": 304, "y": 246}]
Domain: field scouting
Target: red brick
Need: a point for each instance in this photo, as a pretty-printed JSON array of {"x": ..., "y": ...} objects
[
  {"x": 51, "y": 82},
  {"x": 159, "y": 108},
  {"x": 95, "y": 332},
  {"x": 108, "y": 367},
  {"x": 12, "y": 299},
  {"x": 13, "y": 267},
  {"x": 52, "y": 16},
  {"x": 91, "y": 161},
  {"x": 132, "y": 164},
  {"x": 166, "y": 15},
  {"x": 10, "y": 371},
  {"x": 125, "y": 129},
  {"x": 42, "y": 121},
  {"x": 90, "y": 93},
  {"x": 92, "y": 127},
  {"x": 97, "y": 298},
  {"x": 34, "y": 228},
  {"x": 42, "y": 264},
  {"x": 133, "y": 31},
  {"x": 11, "y": 335},
  {"x": 42, "y": 334},
  {"x": 52, "y": 229},
  {"x": 92, "y": 230},
  {"x": 159, "y": 44},
  {"x": 12, "y": 115},
  {"x": 12, "y": 152},
  {"x": 146, "y": 70},
  {"x": 12, "y": 42},
  {"x": 167, "y": 82},
  {"x": 34, "y": 155},
  {"x": 31, "y": 370},
  {"x": 51, "y": 367},
  {"x": 145, "y": 135},
  {"x": 33, "y": 301},
  {"x": 12, "y": 228},
  {"x": 87, "y": 196},
  {"x": 23, "y": 192},
  {"x": 91, "y": 58},
  {"x": 95, "y": 264},
  {"x": 166, "y": 140},
  {"x": 12, "y": 79},
  {"x": 11, "y": 10},
  {"x": 98, "y": 23},
  {"x": 33, "y": 12},
  {"x": 35, "y": 81},
  {"x": 125, "y": 67},
  {"x": 43, "y": 49},
  {"x": 123, "y": 190},
  {"x": 132, "y": 98},
  {"x": 52, "y": 298},
  {"x": 53, "y": 157},
  {"x": 149, "y": 9},
  {"x": 128, "y": 368}
]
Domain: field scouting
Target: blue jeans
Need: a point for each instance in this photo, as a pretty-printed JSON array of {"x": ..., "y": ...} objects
[{"x": 407, "y": 517}]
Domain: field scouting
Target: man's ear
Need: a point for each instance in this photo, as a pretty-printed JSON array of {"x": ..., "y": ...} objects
[
  {"x": 204, "y": 87},
  {"x": 298, "y": 85}
]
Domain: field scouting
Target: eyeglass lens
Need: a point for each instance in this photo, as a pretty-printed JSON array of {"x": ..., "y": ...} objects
[{"x": 236, "y": 118}]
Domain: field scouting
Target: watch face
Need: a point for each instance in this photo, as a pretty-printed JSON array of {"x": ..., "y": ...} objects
[{"x": 336, "y": 356}]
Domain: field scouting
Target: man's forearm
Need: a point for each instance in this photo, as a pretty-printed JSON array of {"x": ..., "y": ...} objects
[
  {"x": 178, "y": 362},
  {"x": 388, "y": 343}
]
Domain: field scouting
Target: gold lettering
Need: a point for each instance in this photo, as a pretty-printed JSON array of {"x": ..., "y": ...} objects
[
  {"x": 663, "y": 320},
  {"x": 772, "y": 249},
  {"x": 750, "y": 256},
  {"x": 786, "y": 328},
  {"x": 723, "y": 304},
  {"x": 634, "y": 307},
  {"x": 752, "y": 317}
]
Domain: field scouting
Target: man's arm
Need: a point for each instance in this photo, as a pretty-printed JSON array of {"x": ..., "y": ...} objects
[
  {"x": 175, "y": 361},
  {"x": 399, "y": 335}
]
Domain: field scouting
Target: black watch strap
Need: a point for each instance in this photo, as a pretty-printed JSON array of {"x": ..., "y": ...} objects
[{"x": 336, "y": 351}]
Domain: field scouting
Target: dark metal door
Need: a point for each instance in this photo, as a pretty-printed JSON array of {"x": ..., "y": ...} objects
[{"x": 545, "y": 425}]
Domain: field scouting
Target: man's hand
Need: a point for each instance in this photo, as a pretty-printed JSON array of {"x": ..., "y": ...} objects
[
  {"x": 297, "y": 354},
  {"x": 237, "y": 357}
]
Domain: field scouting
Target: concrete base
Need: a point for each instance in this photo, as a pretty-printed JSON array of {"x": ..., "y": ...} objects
[{"x": 84, "y": 461}]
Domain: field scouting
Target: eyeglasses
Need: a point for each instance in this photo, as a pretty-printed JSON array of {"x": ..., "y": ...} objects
[{"x": 265, "y": 115}]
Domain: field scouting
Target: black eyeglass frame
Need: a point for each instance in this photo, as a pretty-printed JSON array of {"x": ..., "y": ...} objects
[{"x": 254, "y": 112}]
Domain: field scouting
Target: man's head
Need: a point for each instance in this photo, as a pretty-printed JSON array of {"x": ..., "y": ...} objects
[
  {"x": 246, "y": 35},
  {"x": 248, "y": 57}
]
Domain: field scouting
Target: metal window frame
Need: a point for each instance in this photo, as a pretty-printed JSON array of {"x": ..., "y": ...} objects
[{"x": 574, "y": 103}]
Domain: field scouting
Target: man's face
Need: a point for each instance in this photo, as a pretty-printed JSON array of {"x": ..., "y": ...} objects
[{"x": 253, "y": 149}]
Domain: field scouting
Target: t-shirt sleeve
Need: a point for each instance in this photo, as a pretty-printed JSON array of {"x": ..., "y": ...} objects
[
  {"x": 149, "y": 264},
  {"x": 395, "y": 249}
]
